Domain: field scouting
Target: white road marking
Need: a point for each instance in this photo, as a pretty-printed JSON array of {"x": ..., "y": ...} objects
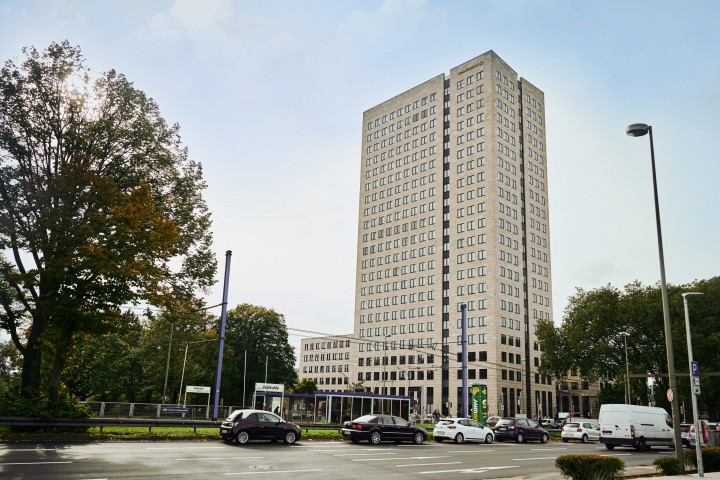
[
  {"x": 534, "y": 458},
  {"x": 622, "y": 454},
  {"x": 468, "y": 451},
  {"x": 547, "y": 449},
  {"x": 183, "y": 448},
  {"x": 427, "y": 464},
  {"x": 396, "y": 458},
  {"x": 274, "y": 471},
  {"x": 363, "y": 454},
  {"x": 468, "y": 470},
  {"x": 32, "y": 463},
  {"x": 216, "y": 458}
]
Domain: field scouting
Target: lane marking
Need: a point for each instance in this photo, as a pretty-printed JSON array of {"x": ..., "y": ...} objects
[
  {"x": 534, "y": 458},
  {"x": 396, "y": 458},
  {"x": 32, "y": 463},
  {"x": 427, "y": 464},
  {"x": 468, "y": 451},
  {"x": 547, "y": 449},
  {"x": 215, "y": 458},
  {"x": 363, "y": 454},
  {"x": 274, "y": 471},
  {"x": 32, "y": 450},
  {"x": 468, "y": 470},
  {"x": 184, "y": 448}
]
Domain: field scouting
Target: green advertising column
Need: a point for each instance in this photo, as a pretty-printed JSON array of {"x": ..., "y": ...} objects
[{"x": 479, "y": 403}]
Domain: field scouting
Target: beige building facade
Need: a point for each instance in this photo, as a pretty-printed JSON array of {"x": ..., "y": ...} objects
[{"x": 454, "y": 210}]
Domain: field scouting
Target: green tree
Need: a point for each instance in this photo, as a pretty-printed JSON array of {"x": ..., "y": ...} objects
[
  {"x": 590, "y": 339},
  {"x": 100, "y": 206},
  {"x": 262, "y": 333},
  {"x": 306, "y": 385}
]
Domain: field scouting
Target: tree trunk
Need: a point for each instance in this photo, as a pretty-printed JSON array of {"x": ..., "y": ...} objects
[{"x": 31, "y": 370}]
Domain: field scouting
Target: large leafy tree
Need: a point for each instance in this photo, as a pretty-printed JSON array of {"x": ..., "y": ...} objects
[
  {"x": 597, "y": 323},
  {"x": 100, "y": 206},
  {"x": 263, "y": 335}
]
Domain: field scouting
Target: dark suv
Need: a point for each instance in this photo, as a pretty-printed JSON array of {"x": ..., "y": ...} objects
[
  {"x": 246, "y": 425},
  {"x": 520, "y": 430}
]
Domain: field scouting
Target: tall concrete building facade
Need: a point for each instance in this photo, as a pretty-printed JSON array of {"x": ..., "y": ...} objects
[{"x": 454, "y": 210}]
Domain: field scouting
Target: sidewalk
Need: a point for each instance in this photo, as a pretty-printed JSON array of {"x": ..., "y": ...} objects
[{"x": 629, "y": 472}]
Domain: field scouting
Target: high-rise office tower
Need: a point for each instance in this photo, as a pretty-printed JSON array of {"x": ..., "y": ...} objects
[{"x": 454, "y": 210}]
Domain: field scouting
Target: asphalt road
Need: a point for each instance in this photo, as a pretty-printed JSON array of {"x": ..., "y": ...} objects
[{"x": 306, "y": 459}]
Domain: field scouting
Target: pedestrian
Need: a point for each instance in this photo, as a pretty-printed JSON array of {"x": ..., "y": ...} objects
[
  {"x": 436, "y": 416},
  {"x": 277, "y": 411}
]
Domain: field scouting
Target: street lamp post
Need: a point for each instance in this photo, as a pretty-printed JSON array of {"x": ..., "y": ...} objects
[
  {"x": 167, "y": 365},
  {"x": 696, "y": 417},
  {"x": 638, "y": 130},
  {"x": 182, "y": 377},
  {"x": 628, "y": 395},
  {"x": 384, "y": 374}
]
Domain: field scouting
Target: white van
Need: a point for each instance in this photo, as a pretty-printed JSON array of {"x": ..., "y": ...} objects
[{"x": 635, "y": 426}]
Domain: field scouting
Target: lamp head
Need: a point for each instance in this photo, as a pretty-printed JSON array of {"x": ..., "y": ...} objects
[
  {"x": 691, "y": 294},
  {"x": 637, "y": 129}
]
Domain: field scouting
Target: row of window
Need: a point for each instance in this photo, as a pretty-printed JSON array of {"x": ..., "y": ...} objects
[
  {"x": 410, "y": 344},
  {"x": 415, "y": 105},
  {"x": 328, "y": 344},
  {"x": 325, "y": 368},
  {"x": 325, "y": 357}
]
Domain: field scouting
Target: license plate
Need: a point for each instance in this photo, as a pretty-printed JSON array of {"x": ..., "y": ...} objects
[
  {"x": 224, "y": 430},
  {"x": 440, "y": 432}
]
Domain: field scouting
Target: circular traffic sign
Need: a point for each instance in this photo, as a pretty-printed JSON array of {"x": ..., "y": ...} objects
[{"x": 670, "y": 395}]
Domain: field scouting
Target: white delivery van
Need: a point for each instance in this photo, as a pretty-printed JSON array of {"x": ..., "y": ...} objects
[{"x": 634, "y": 426}]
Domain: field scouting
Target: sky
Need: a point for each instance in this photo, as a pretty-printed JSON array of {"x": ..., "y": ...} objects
[{"x": 270, "y": 94}]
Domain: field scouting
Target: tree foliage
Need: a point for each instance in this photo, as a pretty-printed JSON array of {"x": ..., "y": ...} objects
[
  {"x": 590, "y": 339},
  {"x": 100, "y": 206},
  {"x": 263, "y": 335}
]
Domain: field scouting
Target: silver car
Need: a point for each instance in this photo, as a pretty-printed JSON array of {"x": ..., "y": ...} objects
[{"x": 581, "y": 430}]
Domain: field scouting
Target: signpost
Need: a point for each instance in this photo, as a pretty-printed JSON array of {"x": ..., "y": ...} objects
[{"x": 194, "y": 389}]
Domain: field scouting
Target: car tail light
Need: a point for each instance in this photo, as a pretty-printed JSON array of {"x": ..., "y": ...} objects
[
  {"x": 357, "y": 426},
  {"x": 511, "y": 427},
  {"x": 452, "y": 427},
  {"x": 632, "y": 431},
  {"x": 579, "y": 429}
]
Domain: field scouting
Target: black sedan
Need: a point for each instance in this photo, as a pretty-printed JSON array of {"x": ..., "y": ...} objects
[
  {"x": 520, "y": 430},
  {"x": 379, "y": 428},
  {"x": 245, "y": 425}
]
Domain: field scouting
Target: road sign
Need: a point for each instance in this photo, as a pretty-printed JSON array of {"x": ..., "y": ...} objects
[
  {"x": 696, "y": 381},
  {"x": 696, "y": 389},
  {"x": 195, "y": 389},
  {"x": 670, "y": 395},
  {"x": 694, "y": 369}
]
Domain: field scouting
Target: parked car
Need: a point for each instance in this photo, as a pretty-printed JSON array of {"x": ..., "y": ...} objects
[
  {"x": 492, "y": 421},
  {"x": 461, "y": 430},
  {"x": 685, "y": 434},
  {"x": 547, "y": 423},
  {"x": 520, "y": 430},
  {"x": 580, "y": 430},
  {"x": 704, "y": 426},
  {"x": 635, "y": 426},
  {"x": 379, "y": 428},
  {"x": 245, "y": 425}
]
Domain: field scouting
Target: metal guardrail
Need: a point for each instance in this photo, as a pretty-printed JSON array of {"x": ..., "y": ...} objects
[{"x": 131, "y": 422}]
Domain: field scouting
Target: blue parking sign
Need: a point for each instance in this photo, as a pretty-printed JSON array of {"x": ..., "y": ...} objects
[{"x": 695, "y": 370}]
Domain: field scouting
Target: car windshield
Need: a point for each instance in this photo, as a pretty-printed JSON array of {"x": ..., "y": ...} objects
[
  {"x": 572, "y": 425},
  {"x": 365, "y": 419},
  {"x": 505, "y": 421},
  {"x": 446, "y": 422},
  {"x": 684, "y": 428}
]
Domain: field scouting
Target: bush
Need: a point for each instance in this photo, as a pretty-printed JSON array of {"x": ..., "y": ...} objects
[
  {"x": 667, "y": 466},
  {"x": 590, "y": 467},
  {"x": 711, "y": 459}
]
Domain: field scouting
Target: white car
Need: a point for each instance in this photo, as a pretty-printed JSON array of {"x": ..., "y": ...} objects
[
  {"x": 692, "y": 438},
  {"x": 462, "y": 430},
  {"x": 581, "y": 430}
]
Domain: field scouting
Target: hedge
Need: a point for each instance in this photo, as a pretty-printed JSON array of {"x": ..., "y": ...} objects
[
  {"x": 711, "y": 459},
  {"x": 590, "y": 467}
]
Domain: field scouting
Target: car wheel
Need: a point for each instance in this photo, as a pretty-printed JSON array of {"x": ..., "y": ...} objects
[
  {"x": 584, "y": 439},
  {"x": 419, "y": 438},
  {"x": 459, "y": 438},
  {"x": 242, "y": 437},
  {"x": 609, "y": 447},
  {"x": 489, "y": 438},
  {"x": 290, "y": 438},
  {"x": 544, "y": 438},
  {"x": 520, "y": 438},
  {"x": 566, "y": 440},
  {"x": 375, "y": 437}
]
